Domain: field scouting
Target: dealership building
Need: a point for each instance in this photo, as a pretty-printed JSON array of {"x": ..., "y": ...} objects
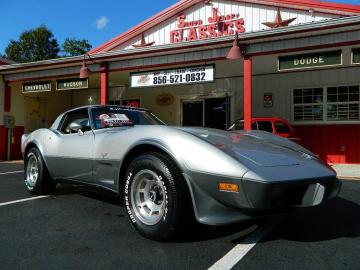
[{"x": 299, "y": 60}]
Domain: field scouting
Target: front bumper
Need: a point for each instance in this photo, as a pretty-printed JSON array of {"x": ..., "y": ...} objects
[
  {"x": 299, "y": 193},
  {"x": 255, "y": 198}
]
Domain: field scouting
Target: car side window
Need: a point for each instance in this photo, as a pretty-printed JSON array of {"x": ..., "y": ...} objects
[
  {"x": 265, "y": 126},
  {"x": 282, "y": 128},
  {"x": 80, "y": 117}
]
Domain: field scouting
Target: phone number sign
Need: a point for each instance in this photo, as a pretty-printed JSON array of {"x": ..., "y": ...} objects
[{"x": 188, "y": 75}]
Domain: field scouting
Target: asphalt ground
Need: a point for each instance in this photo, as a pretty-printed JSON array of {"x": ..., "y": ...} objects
[{"x": 78, "y": 228}]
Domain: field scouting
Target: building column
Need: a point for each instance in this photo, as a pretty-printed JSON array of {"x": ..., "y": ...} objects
[
  {"x": 247, "y": 92},
  {"x": 104, "y": 84},
  {"x": 7, "y": 98}
]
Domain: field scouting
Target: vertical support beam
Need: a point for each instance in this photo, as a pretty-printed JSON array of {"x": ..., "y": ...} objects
[
  {"x": 104, "y": 84},
  {"x": 247, "y": 92},
  {"x": 7, "y": 98}
]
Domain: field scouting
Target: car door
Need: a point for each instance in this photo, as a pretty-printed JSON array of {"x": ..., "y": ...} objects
[{"x": 73, "y": 155}]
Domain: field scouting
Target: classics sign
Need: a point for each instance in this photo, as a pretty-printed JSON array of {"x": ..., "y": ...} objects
[
  {"x": 301, "y": 61},
  {"x": 68, "y": 84},
  {"x": 199, "y": 74},
  {"x": 36, "y": 87},
  {"x": 217, "y": 26}
]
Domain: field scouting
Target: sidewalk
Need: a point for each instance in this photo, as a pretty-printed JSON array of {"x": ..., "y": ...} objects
[{"x": 347, "y": 171}]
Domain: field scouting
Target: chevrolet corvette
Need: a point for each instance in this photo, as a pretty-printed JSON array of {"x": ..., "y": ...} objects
[{"x": 165, "y": 175}]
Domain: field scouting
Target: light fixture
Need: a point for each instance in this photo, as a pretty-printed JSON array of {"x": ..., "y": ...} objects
[
  {"x": 312, "y": 12},
  {"x": 85, "y": 71},
  {"x": 235, "y": 51}
]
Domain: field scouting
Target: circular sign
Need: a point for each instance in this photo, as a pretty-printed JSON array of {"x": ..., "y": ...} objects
[{"x": 164, "y": 99}]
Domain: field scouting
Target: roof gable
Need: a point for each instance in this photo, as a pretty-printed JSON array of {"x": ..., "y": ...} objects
[{"x": 163, "y": 28}]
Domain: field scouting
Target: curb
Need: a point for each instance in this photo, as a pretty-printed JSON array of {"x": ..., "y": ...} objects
[
  {"x": 12, "y": 162},
  {"x": 356, "y": 178}
]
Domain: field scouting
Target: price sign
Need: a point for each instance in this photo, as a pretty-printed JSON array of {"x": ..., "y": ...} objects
[{"x": 189, "y": 75}]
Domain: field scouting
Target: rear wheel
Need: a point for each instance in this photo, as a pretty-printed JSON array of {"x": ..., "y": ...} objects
[
  {"x": 156, "y": 197},
  {"x": 37, "y": 178}
]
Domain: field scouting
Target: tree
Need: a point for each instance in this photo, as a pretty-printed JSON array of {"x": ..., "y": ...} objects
[
  {"x": 73, "y": 47},
  {"x": 33, "y": 45}
]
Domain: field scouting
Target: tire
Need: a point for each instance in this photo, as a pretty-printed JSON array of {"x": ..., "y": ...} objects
[
  {"x": 156, "y": 197},
  {"x": 37, "y": 178}
]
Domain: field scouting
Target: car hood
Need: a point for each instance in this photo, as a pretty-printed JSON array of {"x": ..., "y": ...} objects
[{"x": 255, "y": 147}]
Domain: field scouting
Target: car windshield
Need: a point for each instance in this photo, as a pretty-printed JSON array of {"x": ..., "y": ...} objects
[{"x": 108, "y": 117}]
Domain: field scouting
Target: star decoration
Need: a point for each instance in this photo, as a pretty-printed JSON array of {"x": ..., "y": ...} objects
[
  {"x": 279, "y": 22},
  {"x": 143, "y": 43}
]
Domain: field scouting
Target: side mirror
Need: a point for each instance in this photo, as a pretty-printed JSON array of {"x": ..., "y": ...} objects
[{"x": 75, "y": 127}]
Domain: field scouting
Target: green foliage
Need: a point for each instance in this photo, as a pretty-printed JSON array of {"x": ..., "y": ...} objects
[
  {"x": 73, "y": 47},
  {"x": 33, "y": 45},
  {"x": 40, "y": 44}
]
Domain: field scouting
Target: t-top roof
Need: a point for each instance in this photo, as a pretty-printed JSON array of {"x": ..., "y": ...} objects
[{"x": 316, "y": 5}]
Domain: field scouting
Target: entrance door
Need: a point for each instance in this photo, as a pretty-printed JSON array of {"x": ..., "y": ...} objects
[
  {"x": 216, "y": 113},
  {"x": 192, "y": 115},
  {"x": 35, "y": 114},
  {"x": 211, "y": 112}
]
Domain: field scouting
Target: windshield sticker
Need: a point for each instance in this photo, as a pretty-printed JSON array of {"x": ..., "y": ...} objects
[{"x": 114, "y": 120}]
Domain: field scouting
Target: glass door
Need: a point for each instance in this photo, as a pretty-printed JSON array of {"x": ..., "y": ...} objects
[
  {"x": 217, "y": 112},
  {"x": 192, "y": 113}
]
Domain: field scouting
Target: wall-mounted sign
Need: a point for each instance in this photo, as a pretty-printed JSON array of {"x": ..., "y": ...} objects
[
  {"x": 356, "y": 56},
  {"x": 9, "y": 121},
  {"x": 216, "y": 26},
  {"x": 131, "y": 103},
  {"x": 199, "y": 74},
  {"x": 268, "y": 100},
  {"x": 36, "y": 87},
  {"x": 68, "y": 84},
  {"x": 164, "y": 99},
  {"x": 301, "y": 61}
]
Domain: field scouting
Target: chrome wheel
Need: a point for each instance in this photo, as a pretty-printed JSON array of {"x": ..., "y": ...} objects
[
  {"x": 148, "y": 195},
  {"x": 32, "y": 171}
]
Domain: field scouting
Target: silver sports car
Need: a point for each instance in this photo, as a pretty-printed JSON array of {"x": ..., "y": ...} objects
[{"x": 167, "y": 175}]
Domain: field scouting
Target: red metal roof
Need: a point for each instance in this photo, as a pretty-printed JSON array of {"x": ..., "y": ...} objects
[
  {"x": 320, "y": 6},
  {"x": 4, "y": 61}
]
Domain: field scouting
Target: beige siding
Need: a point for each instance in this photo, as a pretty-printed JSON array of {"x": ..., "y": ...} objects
[{"x": 268, "y": 80}]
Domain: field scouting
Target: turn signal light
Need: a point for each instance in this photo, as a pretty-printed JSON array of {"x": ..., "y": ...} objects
[{"x": 228, "y": 187}]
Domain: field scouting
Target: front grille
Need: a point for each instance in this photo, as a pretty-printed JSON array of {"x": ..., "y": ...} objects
[{"x": 287, "y": 196}]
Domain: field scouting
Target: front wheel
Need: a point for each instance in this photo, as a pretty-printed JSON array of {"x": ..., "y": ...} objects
[
  {"x": 156, "y": 197},
  {"x": 37, "y": 178}
]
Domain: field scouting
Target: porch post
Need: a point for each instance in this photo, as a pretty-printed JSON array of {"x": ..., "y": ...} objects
[
  {"x": 104, "y": 84},
  {"x": 247, "y": 91}
]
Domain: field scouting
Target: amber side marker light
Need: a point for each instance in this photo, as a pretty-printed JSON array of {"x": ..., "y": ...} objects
[{"x": 228, "y": 187}]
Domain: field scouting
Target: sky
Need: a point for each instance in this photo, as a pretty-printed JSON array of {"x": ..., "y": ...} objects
[{"x": 97, "y": 21}]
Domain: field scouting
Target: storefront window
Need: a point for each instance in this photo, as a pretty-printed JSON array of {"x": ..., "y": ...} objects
[
  {"x": 342, "y": 103},
  {"x": 308, "y": 104}
]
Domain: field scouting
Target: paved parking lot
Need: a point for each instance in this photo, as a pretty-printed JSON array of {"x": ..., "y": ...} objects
[{"x": 76, "y": 228}]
